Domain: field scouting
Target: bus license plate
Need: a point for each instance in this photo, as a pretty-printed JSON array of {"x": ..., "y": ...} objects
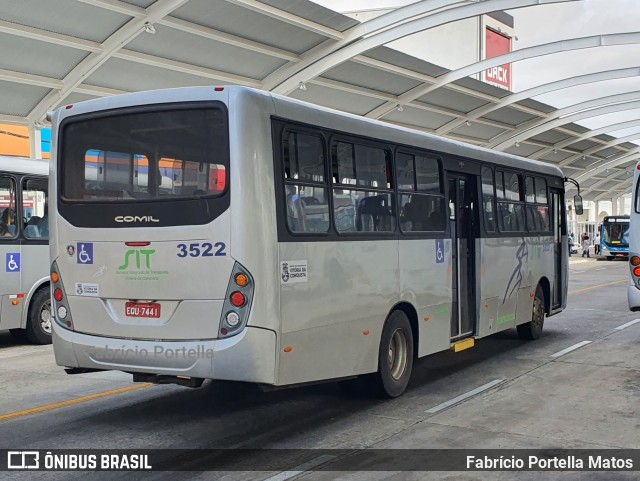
[{"x": 142, "y": 309}]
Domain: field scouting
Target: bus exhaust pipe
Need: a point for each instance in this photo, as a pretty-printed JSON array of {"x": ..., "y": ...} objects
[{"x": 193, "y": 382}]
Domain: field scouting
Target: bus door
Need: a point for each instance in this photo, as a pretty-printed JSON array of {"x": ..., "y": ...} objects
[
  {"x": 463, "y": 215},
  {"x": 557, "y": 215}
]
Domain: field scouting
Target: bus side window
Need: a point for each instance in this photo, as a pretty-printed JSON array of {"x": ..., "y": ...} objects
[
  {"x": 7, "y": 208},
  {"x": 306, "y": 190},
  {"x": 35, "y": 208}
]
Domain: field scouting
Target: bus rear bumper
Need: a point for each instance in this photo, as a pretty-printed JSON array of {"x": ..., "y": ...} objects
[{"x": 250, "y": 356}]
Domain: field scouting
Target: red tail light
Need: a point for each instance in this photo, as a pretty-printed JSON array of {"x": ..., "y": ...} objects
[
  {"x": 238, "y": 299},
  {"x": 57, "y": 294},
  {"x": 636, "y": 272}
]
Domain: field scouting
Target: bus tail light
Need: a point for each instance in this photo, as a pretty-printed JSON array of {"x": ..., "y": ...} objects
[
  {"x": 636, "y": 271},
  {"x": 635, "y": 261},
  {"x": 60, "y": 305},
  {"x": 235, "y": 312}
]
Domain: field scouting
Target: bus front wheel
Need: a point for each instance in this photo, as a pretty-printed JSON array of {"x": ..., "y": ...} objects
[
  {"x": 395, "y": 357},
  {"x": 533, "y": 329},
  {"x": 39, "y": 320}
]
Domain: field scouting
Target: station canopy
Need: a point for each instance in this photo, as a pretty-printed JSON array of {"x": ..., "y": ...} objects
[{"x": 67, "y": 51}]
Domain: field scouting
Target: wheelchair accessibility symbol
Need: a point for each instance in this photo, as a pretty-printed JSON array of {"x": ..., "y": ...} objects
[
  {"x": 439, "y": 251},
  {"x": 84, "y": 253},
  {"x": 12, "y": 262}
]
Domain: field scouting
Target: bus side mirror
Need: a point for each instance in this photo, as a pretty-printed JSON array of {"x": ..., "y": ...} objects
[{"x": 577, "y": 202}]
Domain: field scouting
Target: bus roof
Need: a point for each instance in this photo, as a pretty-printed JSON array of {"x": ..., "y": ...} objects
[
  {"x": 305, "y": 112},
  {"x": 23, "y": 165}
]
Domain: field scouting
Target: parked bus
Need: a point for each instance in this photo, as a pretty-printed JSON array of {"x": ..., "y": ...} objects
[
  {"x": 290, "y": 244},
  {"x": 614, "y": 237},
  {"x": 25, "y": 305},
  {"x": 633, "y": 288}
]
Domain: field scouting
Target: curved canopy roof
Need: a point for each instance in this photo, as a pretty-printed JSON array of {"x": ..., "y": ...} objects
[{"x": 94, "y": 48}]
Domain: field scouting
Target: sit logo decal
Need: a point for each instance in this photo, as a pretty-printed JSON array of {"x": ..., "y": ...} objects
[
  {"x": 137, "y": 266},
  {"x": 138, "y": 253}
]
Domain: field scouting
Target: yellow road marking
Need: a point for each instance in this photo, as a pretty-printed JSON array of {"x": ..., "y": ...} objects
[
  {"x": 598, "y": 286},
  {"x": 71, "y": 402}
]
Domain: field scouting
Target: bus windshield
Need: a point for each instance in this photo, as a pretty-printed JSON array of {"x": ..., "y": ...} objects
[
  {"x": 145, "y": 155},
  {"x": 616, "y": 233}
]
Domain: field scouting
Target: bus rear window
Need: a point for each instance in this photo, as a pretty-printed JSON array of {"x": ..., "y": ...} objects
[{"x": 145, "y": 156}]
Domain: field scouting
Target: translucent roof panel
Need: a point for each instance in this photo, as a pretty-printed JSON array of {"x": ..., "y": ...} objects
[
  {"x": 248, "y": 24},
  {"x": 18, "y": 99},
  {"x": 30, "y": 56},
  {"x": 68, "y": 17},
  {"x": 204, "y": 52}
]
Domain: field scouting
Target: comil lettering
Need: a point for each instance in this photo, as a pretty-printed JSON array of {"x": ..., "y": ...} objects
[{"x": 136, "y": 218}]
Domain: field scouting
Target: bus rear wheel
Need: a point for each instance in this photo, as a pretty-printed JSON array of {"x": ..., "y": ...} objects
[
  {"x": 532, "y": 330},
  {"x": 395, "y": 357},
  {"x": 39, "y": 320}
]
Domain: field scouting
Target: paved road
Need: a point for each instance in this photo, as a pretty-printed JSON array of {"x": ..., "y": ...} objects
[{"x": 586, "y": 398}]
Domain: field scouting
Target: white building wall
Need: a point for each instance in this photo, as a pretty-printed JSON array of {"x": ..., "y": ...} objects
[{"x": 451, "y": 46}]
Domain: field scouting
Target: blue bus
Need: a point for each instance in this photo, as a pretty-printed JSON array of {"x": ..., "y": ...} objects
[{"x": 614, "y": 237}]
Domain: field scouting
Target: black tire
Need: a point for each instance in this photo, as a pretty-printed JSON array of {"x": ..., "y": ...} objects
[
  {"x": 395, "y": 357},
  {"x": 39, "y": 320},
  {"x": 532, "y": 330},
  {"x": 609, "y": 258}
]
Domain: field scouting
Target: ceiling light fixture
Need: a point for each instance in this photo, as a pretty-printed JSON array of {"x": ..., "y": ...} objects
[
  {"x": 400, "y": 108},
  {"x": 517, "y": 144},
  {"x": 303, "y": 86},
  {"x": 555, "y": 151},
  {"x": 467, "y": 123},
  {"x": 149, "y": 28}
]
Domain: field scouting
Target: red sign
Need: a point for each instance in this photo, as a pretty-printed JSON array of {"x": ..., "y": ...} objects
[{"x": 497, "y": 44}]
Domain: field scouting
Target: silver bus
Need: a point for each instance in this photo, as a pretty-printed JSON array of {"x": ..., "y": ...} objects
[
  {"x": 25, "y": 305},
  {"x": 228, "y": 233}
]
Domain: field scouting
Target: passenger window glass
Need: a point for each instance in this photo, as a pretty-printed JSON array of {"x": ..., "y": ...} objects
[
  {"x": 541, "y": 190},
  {"x": 307, "y": 209},
  {"x": 406, "y": 173},
  {"x": 346, "y": 166},
  {"x": 35, "y": 209},
  {"x": 488, "y": 200},
  {"x": 185, "y": 178},
  {"x": 499, "y": 184},
  {"x": 530, "y": 190},
  {"x": 428, "y": 175},
  {"x": 304, "y": 157},
  {"x": 362, "y": 165},
  {"x": 422, "y": 213},
  {"x": 512, "y": 187},
  {"x": 127, "y": 176},
  {"x": 8, "y": 227},
  {"x": 363, "y": 211},
  {"x": 373, "y": 167},
  {"x": 510, "y": 217}
]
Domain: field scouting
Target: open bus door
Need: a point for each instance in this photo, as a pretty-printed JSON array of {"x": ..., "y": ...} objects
[
  {"x": 560, "y": 258},
  {"x": 463, "y": 212}
]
